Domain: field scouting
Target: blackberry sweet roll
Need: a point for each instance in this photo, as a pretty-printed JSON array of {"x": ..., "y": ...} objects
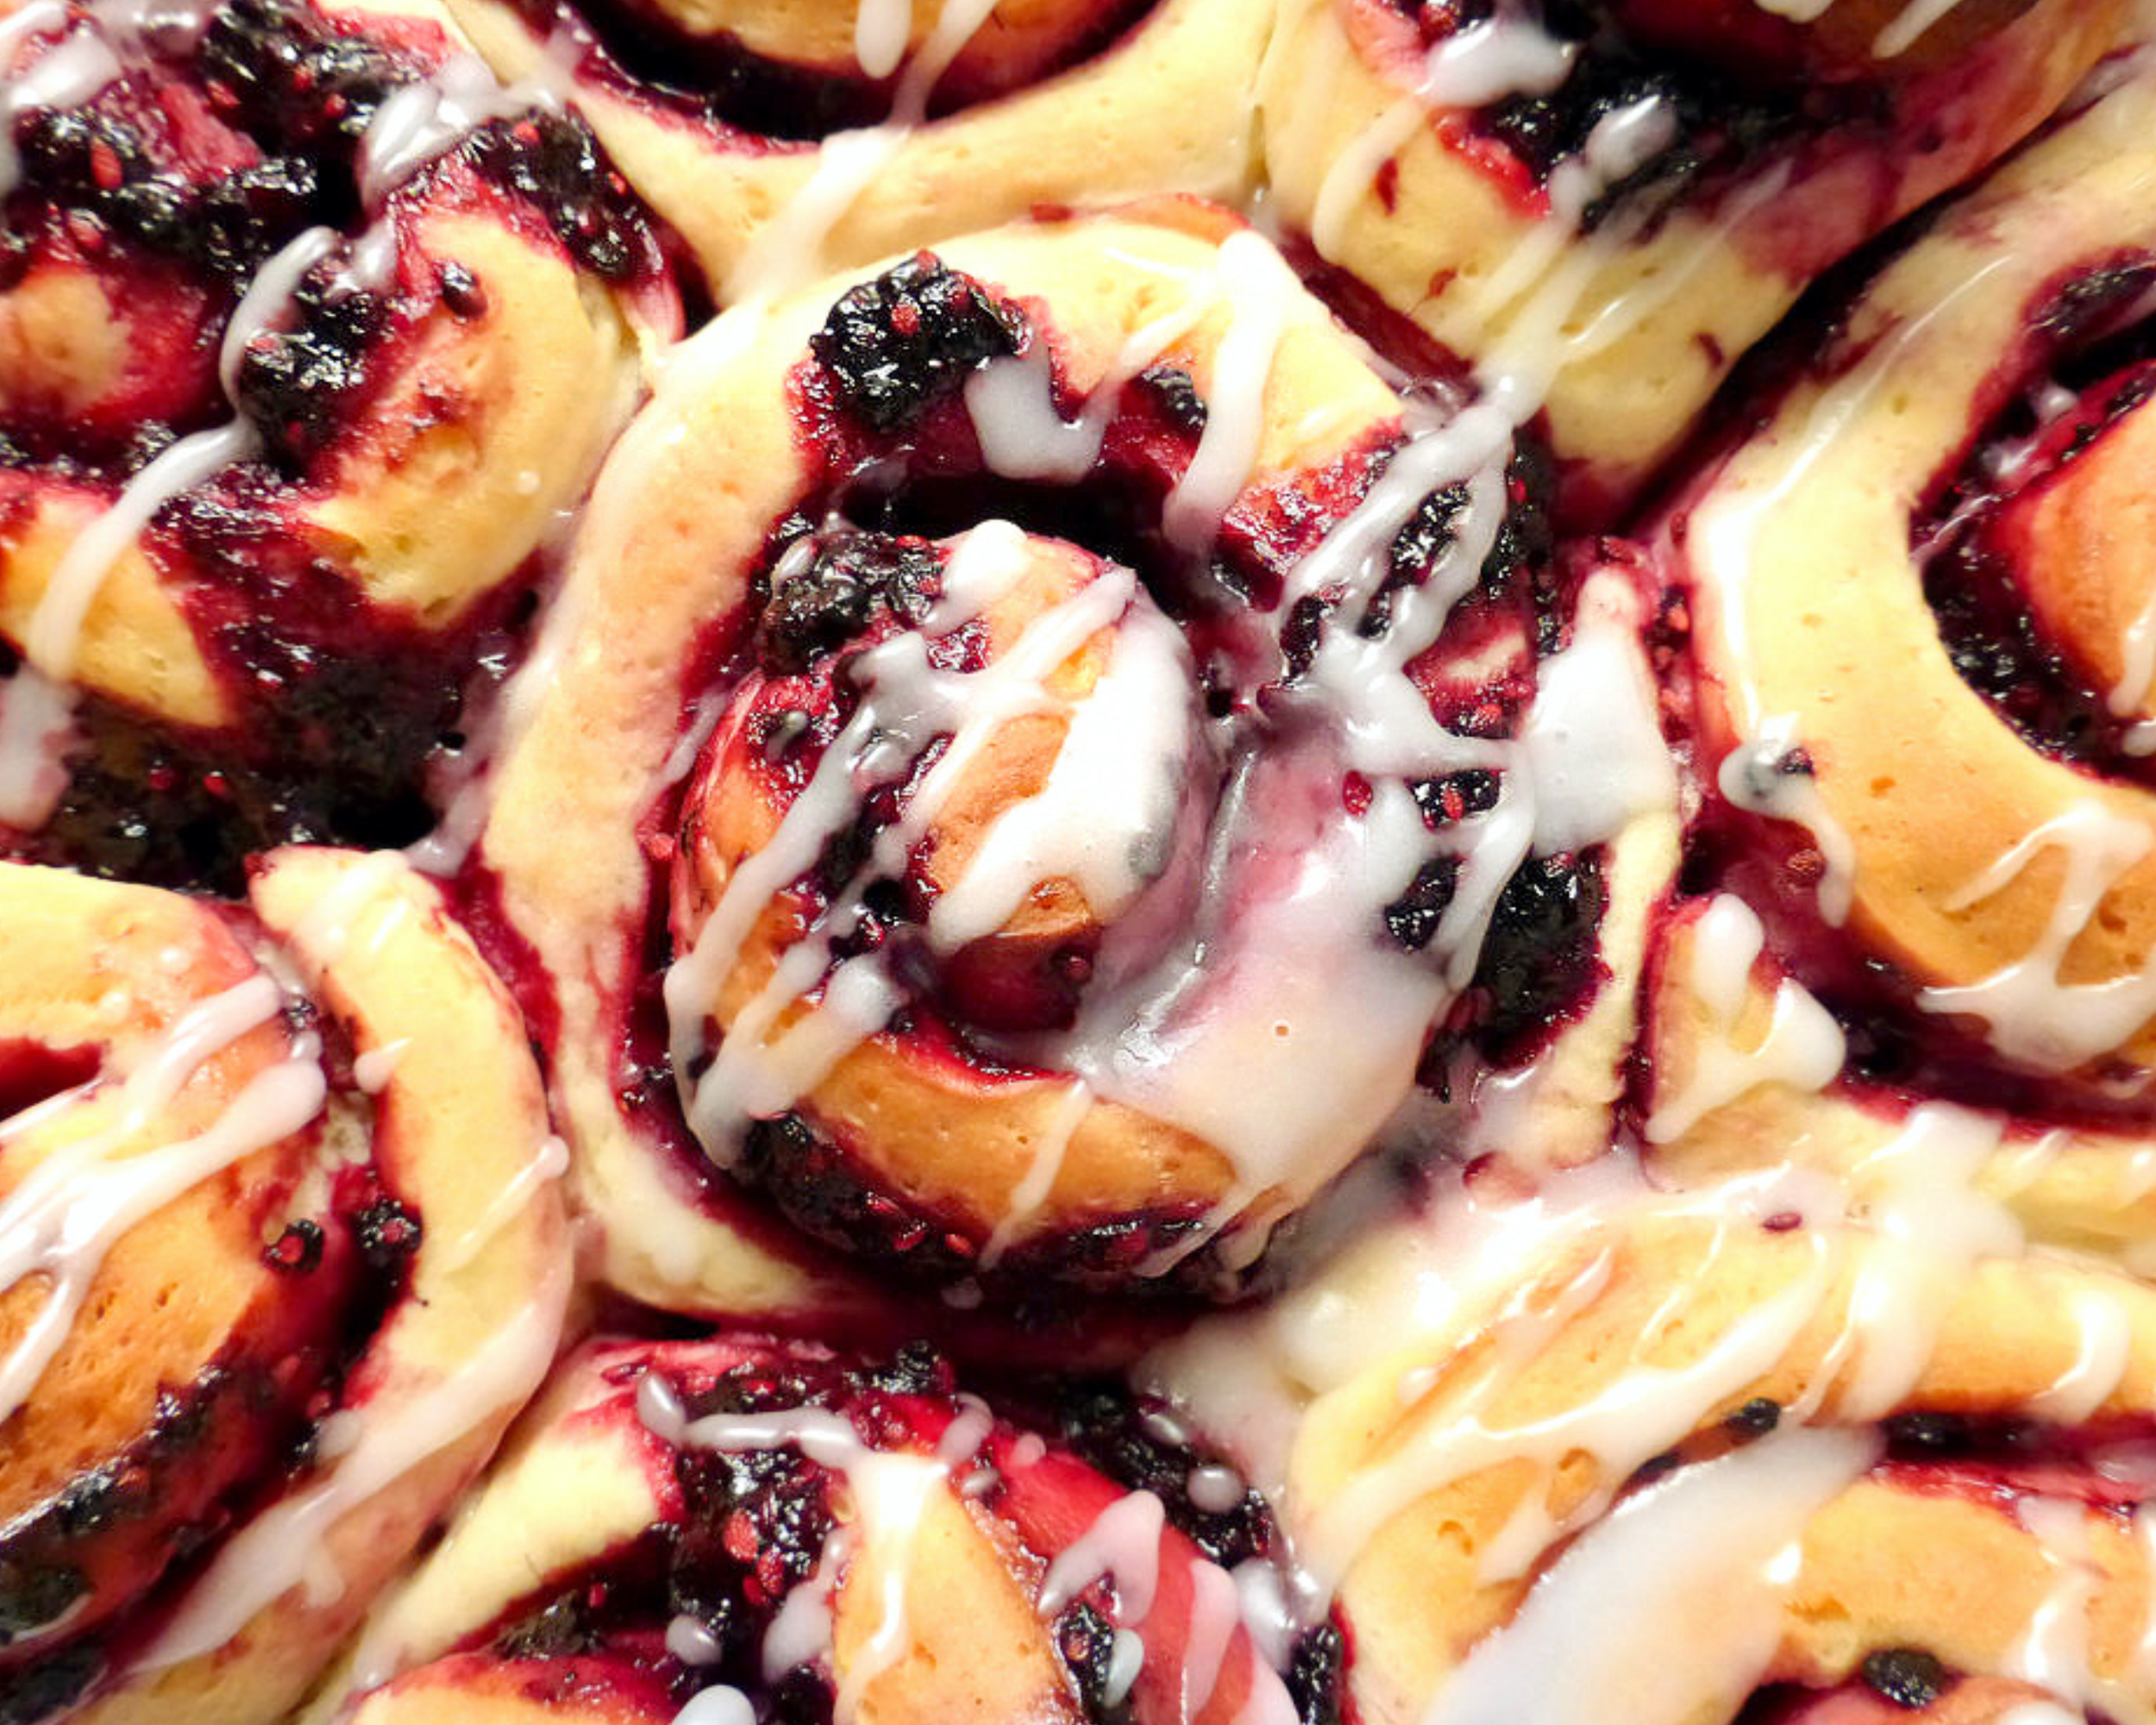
[
  {"x": 1379, "y": 954},
  {"x": 311, "y": 336},
  {"x": 1746, "y": 1452},
  {"x": 1918, "y": 608},
  {"x": 1033, "y": 768},
  {"x": 775, "y": 1530},
  {"x": 1691, "y": 168},
  {"x": 281, "y": 1254},
  {"x": 781, "y": 140}
]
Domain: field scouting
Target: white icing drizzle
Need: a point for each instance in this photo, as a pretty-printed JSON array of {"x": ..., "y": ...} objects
[
  {"x": 1098, "y": 820},
  {"x": 1244, "y": 1379},
  {"x": 372, "y": 1070},
  {"x": 690, "y": 1641},
  {"x": 789, "y": 250},
  {"x": 69, "y": 73},
  {"x": 2030, "y": 1014},
  {"x": 36, "y": 707},
  {"x": 1803, "y": 1047},
  {"x": 1592, "y": 742},
  {"x": 1504, "y": 55},
  {"x": 890, "y": 1492},
  {"x": 1039, "y": 1179},
  {"x": 1900, "y": 35},
  {"x": 717, "y": 1705},
  {"x": 1126, "y": 1663},
  {"x": 1724, "y": 531},
  {"x": 1916, "y": 1195},
  {"x": 548, "y": 1161},
  {"x": 367, "y": 888},
  {"x": 1214, "y": 1616},
  {"x": 800, "y": 1633},
  {"x": 1644, "y": 1410},
  {"x": 1753, "y": 777},
  {"x": 2137, "y": 668},
  {"x": 2040, "y": 1713},
  {"x": 1215, "y": 1034},
  {"x": 1122, "y": 1545},
  {"x": 1010, "y": 402},
  {"x": 887, "y": 1497},
  {"x": 285, "y": 1545},
  {"x": 2054, "y": 1652},
  {"x": 2099, "y": 1366},
  {"x": 1015, "y": 422},
  {"x": 67, "y": 1213},
  {"x": 414, "y": 124},
  {"x": 1215, "y": 1488},
  {"x": 419, "y": 121},
  {"x": 1893, "y": 38},
  {"x": 881, "y": 28},
  {"x": 1673, "y": 1602},
  {"x": 967, "y": 1431},
  {"x": 1275, "y": 991},
  {"x": 1262, "y": 290}
]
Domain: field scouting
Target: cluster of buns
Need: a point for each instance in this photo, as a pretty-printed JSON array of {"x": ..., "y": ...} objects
[{"x": 1147, "y": 862}]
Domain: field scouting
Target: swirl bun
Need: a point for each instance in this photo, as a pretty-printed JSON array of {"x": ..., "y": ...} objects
[
  {"x": 1645, "y": 218},
  {"x": 243, "y": 1226},
  {"x": 1723, "y": 1454},
  {"x": 758, "y": 131},
  {"x": 827, "y": 1532},
  {"x": 2002, "y": 879},
  {"x": 936, "y": 882},
  {"x": 288, "y": 340}
]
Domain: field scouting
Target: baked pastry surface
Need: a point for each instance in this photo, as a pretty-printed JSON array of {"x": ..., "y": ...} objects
[{"x": 1146, "y": 862}]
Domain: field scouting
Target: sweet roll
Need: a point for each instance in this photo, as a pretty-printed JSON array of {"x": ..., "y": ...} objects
[
  {"x": 1648, "y": 188},
  {"x": 312, "y": 334},
  {"x": 978, "y": 830},
  {"x": 282, "y": 1256},
  {"x": 772, "y": 1529},
  {"x": 1922, "y": 845},
  {"x": 782, "y": 141}
]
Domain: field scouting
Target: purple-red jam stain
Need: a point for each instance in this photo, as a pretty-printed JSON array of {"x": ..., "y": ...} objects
[
  {"x": 343, "y": 711},
  {"x": 1722, "y": 124},
  {"x": 1540, "y": 966},
  {"x": 897, "y": 346},
  {"x": 836, "y": 1196},
  {"x": 2096, "y": 361},
  {"x": 1898, "y": 1055},
  {"x": 33, "y": 1071},
  {"x": 819, "y": 608}
]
